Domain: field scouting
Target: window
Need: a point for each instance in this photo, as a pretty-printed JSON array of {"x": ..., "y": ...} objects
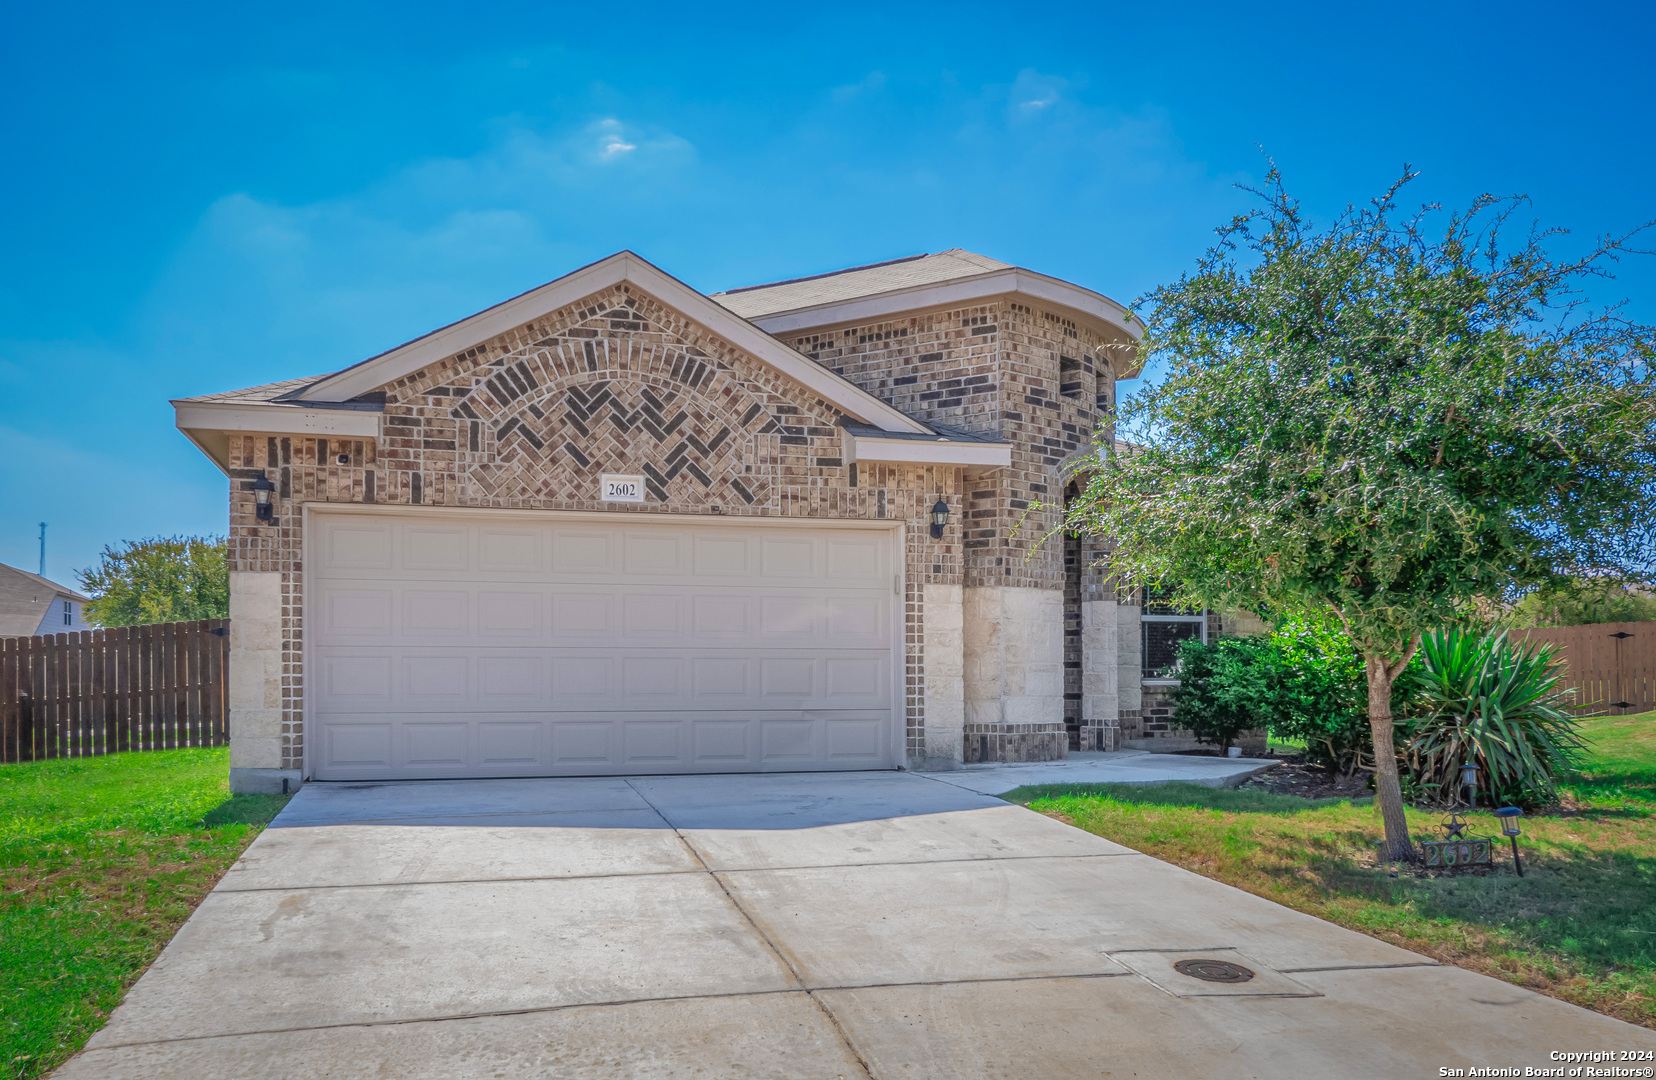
[
  {"x": 68, "y": 614},
  {"x": 1164, "y": 628}
]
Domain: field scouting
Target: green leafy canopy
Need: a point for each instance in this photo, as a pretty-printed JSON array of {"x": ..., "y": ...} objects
[
  {"x": 1372, "y": 422},
  {"x": 161, "y": 579}
]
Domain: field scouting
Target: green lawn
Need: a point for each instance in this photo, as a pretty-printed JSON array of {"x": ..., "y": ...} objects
[
  {"x": 1580, "y": 925},
  {"x": 101, "y": 860}
]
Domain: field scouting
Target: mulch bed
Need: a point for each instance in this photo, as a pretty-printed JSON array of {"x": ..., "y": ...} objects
[{"x": 1295, "y": 777}]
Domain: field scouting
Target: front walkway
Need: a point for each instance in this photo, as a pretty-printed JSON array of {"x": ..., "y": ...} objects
[
  {"x": 850, "y": 925},
  {"x": 1136, "y": 767}
]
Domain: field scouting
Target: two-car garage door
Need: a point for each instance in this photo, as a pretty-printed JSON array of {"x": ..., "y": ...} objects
[{"x": 506, "y": 645}]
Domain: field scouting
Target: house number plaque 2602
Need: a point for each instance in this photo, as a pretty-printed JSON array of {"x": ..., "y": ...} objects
[{"x": 616, "y": 488}]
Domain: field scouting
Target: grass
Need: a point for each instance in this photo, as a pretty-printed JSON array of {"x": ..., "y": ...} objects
[
  {"x": 1580, "y": 925},
  {"x": 101, "y": 860}
]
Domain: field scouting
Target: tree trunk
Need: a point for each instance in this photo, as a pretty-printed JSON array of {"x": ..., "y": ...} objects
[{"x": 1387, "y": 791}]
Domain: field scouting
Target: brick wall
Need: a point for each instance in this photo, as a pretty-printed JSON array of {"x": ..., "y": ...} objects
[
  {"x": 617, "y": 382},
  {"x": 1044, "y": 383},
  {"x": 1034, "y": 378}
]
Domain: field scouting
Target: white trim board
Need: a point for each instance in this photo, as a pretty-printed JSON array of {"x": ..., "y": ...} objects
[
  {"x": 928, "y": 451},
  {"x": 625, "y": 266},
  {"x": 1095, "y": 308},
  {"x": 208, "y": 424}
]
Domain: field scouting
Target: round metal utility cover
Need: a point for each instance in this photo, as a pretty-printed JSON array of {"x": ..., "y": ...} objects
[{"x": 1219, "y": 971}]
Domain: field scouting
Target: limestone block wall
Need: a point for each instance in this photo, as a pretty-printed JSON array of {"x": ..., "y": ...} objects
[
  {"x": 255, "y": 676},
  {"x": 1014, "y": 666},
  {"x": 945, "y": 678},
  {"x": 1129, "y": 670},
  {"x": 1100, "y": 675}
]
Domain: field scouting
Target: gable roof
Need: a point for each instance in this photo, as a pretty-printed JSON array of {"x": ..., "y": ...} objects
[
  {"x": 626, "y": 266},
  {"x": 25, "y": 598},
  {"x": 753, "y": 301},
  {"x": 920, "y": 282}
]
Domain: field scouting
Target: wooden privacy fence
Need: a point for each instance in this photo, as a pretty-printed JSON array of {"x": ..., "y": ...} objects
[
  {"x": 125, "y": 688},
  {"x": 1611, "y": 666}
]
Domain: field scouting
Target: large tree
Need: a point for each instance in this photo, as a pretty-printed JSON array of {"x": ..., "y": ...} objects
[
  {"x": 1393, "y": 426},
  {"x": 161, "y": 579}
]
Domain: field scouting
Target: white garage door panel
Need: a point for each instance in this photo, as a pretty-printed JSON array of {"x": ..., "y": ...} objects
[
  {"x": 393, "y": 612},
  {"x": 463, "y": 744},
  {"x": 598, "y": 553},
  {"x": 465, "y": 647},
  {"x": 356, "y": 680}
]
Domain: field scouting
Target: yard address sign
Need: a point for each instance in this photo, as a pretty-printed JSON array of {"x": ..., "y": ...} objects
[{"x": 616, "y": 488}]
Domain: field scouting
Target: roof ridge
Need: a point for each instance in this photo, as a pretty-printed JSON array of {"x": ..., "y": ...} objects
[
  {"x": 32, "y": 576},
  {"x": 829, "y": 273}
]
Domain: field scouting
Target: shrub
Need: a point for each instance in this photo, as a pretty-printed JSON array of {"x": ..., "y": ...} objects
[
  {"x": 1326, "y": 700},
  {"x": 1484, "y": 699},
  {"x": 1304, "y": 681},
  {"x": 1227, "y": 687}
]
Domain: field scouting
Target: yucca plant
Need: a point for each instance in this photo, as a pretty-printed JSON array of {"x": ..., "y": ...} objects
[{"x": 1485, "y": 700}]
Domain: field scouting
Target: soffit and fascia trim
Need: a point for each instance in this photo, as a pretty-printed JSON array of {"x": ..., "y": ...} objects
[
  {"x": 1105, "y": 314},
  {"x": 625, "y": 266},
  {"x": 209, "y": 424},
  {"x": 927, "y": 451}
]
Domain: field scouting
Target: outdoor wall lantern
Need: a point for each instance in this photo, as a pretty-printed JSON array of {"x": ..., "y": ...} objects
[
  {"x": 263, "y": 489},
  {"x": 1509, "y": 816},
  {"x": 940, "y": 518}
]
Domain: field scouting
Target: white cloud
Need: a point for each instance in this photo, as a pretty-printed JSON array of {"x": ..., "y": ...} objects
[
  {"x": 610, "y": 140},
  {"x": 1033, "y": 93}
]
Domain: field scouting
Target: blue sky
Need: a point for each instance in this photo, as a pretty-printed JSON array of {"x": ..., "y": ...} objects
[{"x": 204, "y": 197}]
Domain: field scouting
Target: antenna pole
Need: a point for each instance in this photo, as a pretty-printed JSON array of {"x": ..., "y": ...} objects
[{"x": 42, "y": 549}]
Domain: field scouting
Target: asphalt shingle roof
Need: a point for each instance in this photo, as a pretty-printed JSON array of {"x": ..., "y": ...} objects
[
  {"x": 256, "y": 395},
  {"x": 24, "y": 598},
  {"x": 757, "y": 301}
]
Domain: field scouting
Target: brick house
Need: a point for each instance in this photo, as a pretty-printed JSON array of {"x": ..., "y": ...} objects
[{"x": 614, "y": 525}]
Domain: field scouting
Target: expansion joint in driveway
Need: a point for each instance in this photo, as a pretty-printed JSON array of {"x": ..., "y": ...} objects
[
  {"x": 764, "y": 935},
  {"x": 704, "y": 869}
]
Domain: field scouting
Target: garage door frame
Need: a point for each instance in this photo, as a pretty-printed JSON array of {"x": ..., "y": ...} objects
[{"x": 898, "y": 758}]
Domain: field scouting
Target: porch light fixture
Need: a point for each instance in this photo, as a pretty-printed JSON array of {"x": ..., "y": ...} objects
[
  {"x": 1509, "y": 816},
  {"x": 263, "y": 489},
  {"x": 940, "y": 518}
]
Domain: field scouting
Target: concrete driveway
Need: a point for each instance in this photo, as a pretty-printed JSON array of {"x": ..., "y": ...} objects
[{"x": 849, "y": 925}]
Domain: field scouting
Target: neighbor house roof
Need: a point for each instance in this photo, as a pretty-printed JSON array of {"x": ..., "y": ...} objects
[{"x": 25, "y": 599}]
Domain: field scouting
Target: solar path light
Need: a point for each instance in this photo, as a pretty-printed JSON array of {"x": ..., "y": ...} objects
[
  {"x": 1509, "y": 816},
  {"x": 1469, "y": 781}
]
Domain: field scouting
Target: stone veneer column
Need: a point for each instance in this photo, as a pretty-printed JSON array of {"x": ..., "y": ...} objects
[
  {"x": 1100, "y": 676},
  {"x": 1130, "y": 677},
  {"x": 255, "y": 672},
  {"x": 945, "y": 679},
  {"x": 1014, "y": 687}
]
